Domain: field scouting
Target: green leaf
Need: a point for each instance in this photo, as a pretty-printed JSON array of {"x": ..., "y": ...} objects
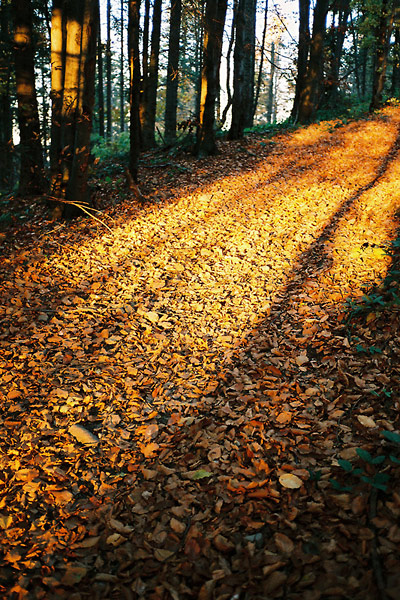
[
  {"x": 358, "y": 471},
  {"x": 201, "y": 474},
  {"x": 380, "y": 486},
  {"x": 346, "y": 465},
  {"x": 364, "y": 454},
  {"x": 395, "y": 460},
  {"x": 392, "y": 436},
  {"x": 378, "y": 460},
  {"x": 340, "y": 488},
  {"x": 381, "y": 477}
]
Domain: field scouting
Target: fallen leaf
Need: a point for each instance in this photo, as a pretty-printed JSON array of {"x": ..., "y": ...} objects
[{"x": 290, "y": 481}]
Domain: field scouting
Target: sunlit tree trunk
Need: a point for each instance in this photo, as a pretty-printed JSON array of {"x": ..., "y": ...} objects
[
  {"x": 171, "y": 99},
  {"x": 270, "y": 101},
  {"x": 58, "y": 41},
  {"x": 151, "y": 83},
  {"x": 77, "y": 189},
  {"x": 6, "y": 143},
  {"x": 311, "y": 91},
  {"x": 108, "y": 73},
  {"x": 382, "y": 36},
  {"x": 31, "y": 178},
  {"x": 76, "y": 70},
  {"x": 213, "y": 31},
  {"x": 302, "y": 54},
  {"x": 134, "y": 70}
]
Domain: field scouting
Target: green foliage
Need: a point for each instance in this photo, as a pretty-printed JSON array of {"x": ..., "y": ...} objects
[
  {"x": 378, "y": 479},
  {"x": 117, "y": 148}
]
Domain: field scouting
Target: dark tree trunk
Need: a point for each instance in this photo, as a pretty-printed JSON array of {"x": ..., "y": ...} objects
[
  {"x": 311, "y": 91},
  {"x": 109, "y": 73},
  {"x": 382, "y": 36},
  {"x": 239, "y": 73},
  {"x": 171, "y": 99},
  {"x": 395, "y": 84},
  {"x": 302, "y": 55},
  {"x": 58, "y": 48},
  {"x": 151, "y": 83},
  {"x": 100, "y": 83},
  {"x": 32, "y": 179},
  {"x": 249, "y": 60},
  {"x": 121, "y": 76},
  {"x": 213, "y": 31},
  {"x": 337, "y": 34},
  {"x": 134, "y": 69},
  {"x": 6, "y": 142},
  {"x": 199, "y": 57}
]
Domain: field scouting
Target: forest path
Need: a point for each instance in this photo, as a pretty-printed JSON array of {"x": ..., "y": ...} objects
[{"x": 202, "y": 343}]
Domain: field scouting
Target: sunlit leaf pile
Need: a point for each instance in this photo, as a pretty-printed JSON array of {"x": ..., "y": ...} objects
[{"x": 177, "y": 390}]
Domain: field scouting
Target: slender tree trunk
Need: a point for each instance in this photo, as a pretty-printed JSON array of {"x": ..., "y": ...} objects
[
  {"x": 270, "y": 101},
  {"x": 261, "y": 65},
  {"x": 109, "y": 73},
  {"x": 134, "y": 69},
  {"x": 58, "y": 41},
  {"x": 100, "y": 82},
  {"x": 228, "y": 65},
  {"x": 310, "y": 93},
  {"x": 338, "y": 34},
  {"x": 302, "y": 56},
  {"x": 383, "y": 33},
  {"x": 6, "y": 142},
  {"x": 171, "y": 99},
  {"x": 31, "y": 179},
  {"x": 213, "y": 32},
  {"x": 121, "y": 76},
  {"x": 356, "y": 58},
  {"x": 151, "y": 83},
  {"x": 199, "y": 58}
]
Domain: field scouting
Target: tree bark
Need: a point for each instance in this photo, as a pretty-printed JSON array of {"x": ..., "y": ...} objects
[
  {"x": 108, "y": 73},
  {"x": 271, "y": 87},
  {"x": 310, "y": 92},
  {"x": 6, "y": 141},
  {"x": 382, "y": 35},
  {"x": 134, "y": 69},
  {"x": 228, "y": 65},
  {"x": 338, "y": 34},
  {"x": 213, "y": 31},
  {"x": 151, "y": 83},
  {"x": 171, "y": 99},
  {"x": 395, "y": 83},
  {"x": 100, "y": 83},
  {"x": 239, "y": 72},
  {"x": 302, "y": 55},
  {"x": 31, "y": 179},
  {"x": 260, "y": 68},
  {"x": 249, "y": 60},
  {"x": 121, "y": 76}
]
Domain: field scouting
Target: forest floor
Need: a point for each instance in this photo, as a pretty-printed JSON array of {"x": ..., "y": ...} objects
[{"x": 202, "y": 400}]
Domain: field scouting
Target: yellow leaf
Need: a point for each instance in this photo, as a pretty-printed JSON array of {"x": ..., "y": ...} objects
[
  {"x": 152, "y": 316},
  {"x": 301, "y": 359},
  {"x": 5, "y": 521},
  {"x": 290, "y": 481},
  {"x": 161, "y": 555}
]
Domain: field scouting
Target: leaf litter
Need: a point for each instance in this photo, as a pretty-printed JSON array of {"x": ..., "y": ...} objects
[{"x": 178, "y": 394}]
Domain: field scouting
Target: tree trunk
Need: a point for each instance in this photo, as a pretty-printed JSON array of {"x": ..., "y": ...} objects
[
  {"x": 32, "y": 179},
  {"x": 302, "y": 55},
  {"x": 100, "y": 83},
  {"x": 109, "y": 73},
  {"x": 239, "y": 67},
  {"x": 121, "y": 76},
  {"x": 310, "y": 93},
  {"x": 228, "y": 65},
  {"x": 213, "y": 32},
  {"x": 6, "y": 142},
  {"x": 260, "y": 67},
  {"x": 395, "y": 84},
  {"x": 134, "y": 69},
  {"x": 249, "y": 60},
  {"x": 151, "y": 83},
  {"x": 74, "y": 119},
  {"x": 77, "y": 188},
  {"x": 199, "y": 57},
  {"x": 338, "y": 34},
  {"x": 270, "y": 101},
  {"x": 58, "y": 41},
  {"x": 171, "y": 99},
  {"x": 382, "y": 36}
]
